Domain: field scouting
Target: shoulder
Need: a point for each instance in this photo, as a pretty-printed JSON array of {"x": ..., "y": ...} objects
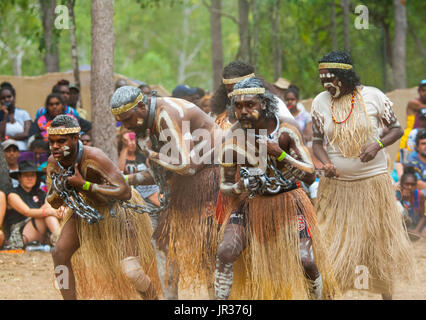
[
  {"x": 22, "y": 112},
  {"x": 320, "y": 100}
]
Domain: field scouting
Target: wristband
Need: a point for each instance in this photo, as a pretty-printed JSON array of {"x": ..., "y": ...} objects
[
  {"x": 282, "y": 156},
  {"x": 86, "y": 185},
  {"x": 380, "y": 143},
  {"x": 126, "y": 178}
]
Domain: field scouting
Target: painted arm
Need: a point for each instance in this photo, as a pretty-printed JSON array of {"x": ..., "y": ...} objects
[
  {"x": 228, "y": 185},
  {"x": 140, "y": 178}
]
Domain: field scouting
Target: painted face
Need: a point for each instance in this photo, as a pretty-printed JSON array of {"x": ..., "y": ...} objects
[
  {"x": 330, "y": 82},
  {"x": 247, "y": 110},
  {"x": 27, "y": 180},
  {"x": 134, "y": 119},
  {"x": 6, "y": 96},
  {"x": 54, "y": 107},
  {"x": 63, "y": 147}
]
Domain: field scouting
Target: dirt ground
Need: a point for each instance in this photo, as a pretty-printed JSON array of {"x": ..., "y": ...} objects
[{"x": 29, "y": 276}]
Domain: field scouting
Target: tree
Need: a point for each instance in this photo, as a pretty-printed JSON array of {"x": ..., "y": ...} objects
[
  {"x": 276, "y": 39},
  {"x": 243, "y": 30},
  {"x": 50, "y": 35},
  {"x": 216, "y": 38},
  {"x": 346, "y": 24},
  {"x": 333, "y": 25},
  {"x": 102, "y": 77},
  {"x": 74, "y": 51},
  {"x": 399, "y": 44}
]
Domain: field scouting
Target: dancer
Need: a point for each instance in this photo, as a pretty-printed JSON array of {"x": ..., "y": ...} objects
[
  {"x": 356, "y": 201},
  {"x": 178, "y": 139},
  {"x": 273, "y": 231},
  {"x": 108, "y": 240}
]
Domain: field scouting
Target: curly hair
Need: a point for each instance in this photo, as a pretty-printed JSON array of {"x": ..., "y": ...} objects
[
  {"x": 349, "y": 78},
  {"x": 271, "y": 102},
  {"x": 64, "y": 120}
]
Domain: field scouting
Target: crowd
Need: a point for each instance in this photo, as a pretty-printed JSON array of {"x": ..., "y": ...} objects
[{"x": 27, "y": 218}]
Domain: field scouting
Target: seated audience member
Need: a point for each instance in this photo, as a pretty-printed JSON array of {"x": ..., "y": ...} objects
[
  {"x": 412, "y": 111},
  {"x": 29, "y": 218},
  {"x": 413, "y": 201},
  {"x": 38, "y": 152},
  {"x": 86, "y": 139},
  {"x": 15, "y": 123},
  {"x": 303, "y": 118},
  {"x": 417, "y": 160},
  {"x": 2, "y": 213},
  {"x": 11, "y": 153},
  {"x": 205, "y": 104},
  {"x": 55, "y": 106},
  {"x": 411, "y": 142},
  {"x": 130, "y": 161}
]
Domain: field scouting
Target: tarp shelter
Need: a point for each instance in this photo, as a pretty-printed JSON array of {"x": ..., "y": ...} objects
[{"x": 31, "y": 92}]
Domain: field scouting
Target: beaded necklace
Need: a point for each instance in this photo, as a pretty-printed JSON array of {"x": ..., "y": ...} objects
[{"x": 350, "y": 112}]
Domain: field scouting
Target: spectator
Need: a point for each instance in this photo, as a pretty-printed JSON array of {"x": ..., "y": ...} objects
[
  {"x": 15, "y": 123},
  {"x": 86, "y": 139},
  {"x": 55, "y": 106},
  {"x": 413, "y": 108},
  {"x": 2, "y": 213},
  {"x": 63, "y": 88},
  {"x": 418, "y": 160},
  {"x": 38, "y": 153},
  {"x": 413, "y": 201},
  {"x": 205, "y": 104},
  {"x": 303, "y": 118},
  {"x": 146, "y": 89},
  {"x": 130, "y": 161},
  {"x": 29, "y": 217},
  {"x": 185, "y": 92},
  {"x": 75, "y": 101},
  {"x": 11, "y": 153},
  {"x": 120, "y": 83},
  {"x": 411, "y": 143}
]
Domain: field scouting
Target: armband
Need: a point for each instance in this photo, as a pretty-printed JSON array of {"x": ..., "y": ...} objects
[
  {"x": 282, "y": 156},
  {"x": 86, "y": 186}
]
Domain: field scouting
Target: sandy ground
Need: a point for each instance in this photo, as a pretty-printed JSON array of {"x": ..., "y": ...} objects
[{"x": 29, "y": 276}]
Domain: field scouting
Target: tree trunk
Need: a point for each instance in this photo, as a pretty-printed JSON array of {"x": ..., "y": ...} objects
[
  {"x": 243, "y": 30},
  {"x": 102, "y": 77},
  {"x": 255, "y": 54},
  {"x": 399, "y": 44},
  {"x": 346, "y": 24},
  {"x": 277, "y": 39},
  {"x": 417, "y": 41},
  {"x": 5, "y": 183},
  {"x": 74, "y": 51},
  {"x": 216, "y": 38},
  {"x": 50, "y": 37},
  {"x": 333, "y": 26}
]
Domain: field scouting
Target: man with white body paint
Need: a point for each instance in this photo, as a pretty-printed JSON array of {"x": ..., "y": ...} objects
[
  {"x": 272, "y": 235},
  {"x": 178, "y": 138},
  {"x": 113, "y": 257}
]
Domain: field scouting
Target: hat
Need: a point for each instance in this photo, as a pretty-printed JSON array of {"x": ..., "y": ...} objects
[
  {"x": 422, "y": 83},
  {"x": 282, "y": 83},
  {"x": 9, "y": 142},
  {"x": 26, "y": 166},
  {"x": 183, "y": 90},
  {"x": 422, "y": 113}
]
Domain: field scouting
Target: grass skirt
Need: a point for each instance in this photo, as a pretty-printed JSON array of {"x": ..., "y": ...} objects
[
  {"x": 363, "y": 227},
  {"x": 270, "y": 266},
  {"x": 188, "y": 228},
  {"x": 96, "y": 264}
]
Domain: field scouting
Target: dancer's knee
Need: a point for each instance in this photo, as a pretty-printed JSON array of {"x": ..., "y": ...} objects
[
  {"x": 61, "y": 256},
  {"x": 310, "y": 267},
  {"x": 133, "y": 270},
  {"x": 227, "y": 253}
]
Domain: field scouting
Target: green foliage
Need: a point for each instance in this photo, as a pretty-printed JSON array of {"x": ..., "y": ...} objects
[{"x": 149, "y": 39}]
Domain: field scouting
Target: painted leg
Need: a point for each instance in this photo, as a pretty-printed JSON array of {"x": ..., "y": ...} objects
[
  {"x": 232, "y": 245},
  {"x": 311, "y": 270}
]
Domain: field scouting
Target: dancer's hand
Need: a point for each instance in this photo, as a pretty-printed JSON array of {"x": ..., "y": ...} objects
[
  {"x": 76, "y": 180},
  {"x": 330, "y": 170},
  {"x": 370, "y": 152},
  {"x": 146, "y": 144}
]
